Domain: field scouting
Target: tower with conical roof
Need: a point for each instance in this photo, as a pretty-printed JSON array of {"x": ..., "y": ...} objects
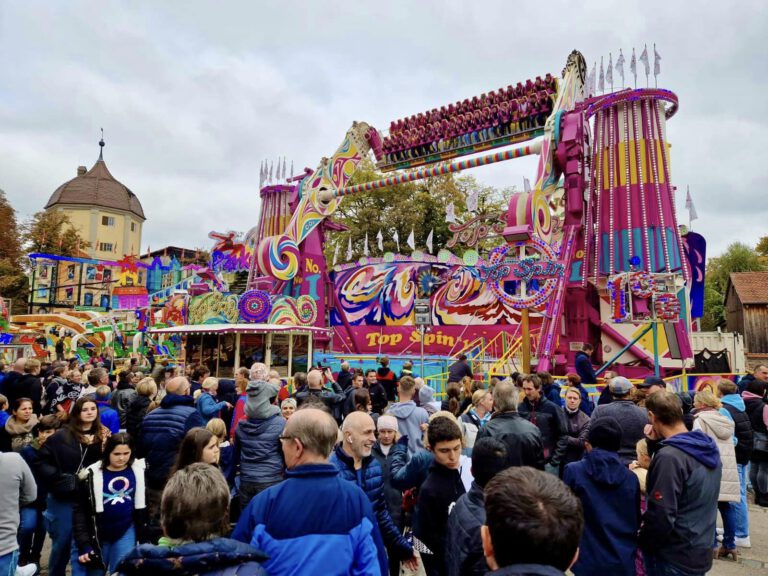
[{"x": 103, "y": 210}]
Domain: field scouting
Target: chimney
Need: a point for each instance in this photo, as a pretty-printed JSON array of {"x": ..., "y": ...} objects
[{"x": 81, "y": 170}]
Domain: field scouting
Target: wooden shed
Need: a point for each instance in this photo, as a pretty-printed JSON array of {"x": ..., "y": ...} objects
[{"x": 746, "y": 311}]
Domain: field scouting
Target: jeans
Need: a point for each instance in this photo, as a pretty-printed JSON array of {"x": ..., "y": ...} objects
[
  {"x": 27, "y": 525},
  {"x": 58, "y": 517},
  {"x": 742, "y": 512},
  {"x": 728, "y": 514},
  {"x": 111, "y": 553},
  {"x": 8, "y": 563},
  {"x": 654, "y": 566}
]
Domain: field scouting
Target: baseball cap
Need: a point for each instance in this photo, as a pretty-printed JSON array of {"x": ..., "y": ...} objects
[
  {"x": 620, "y": 385},
  {"x": 652, "y": 381}
]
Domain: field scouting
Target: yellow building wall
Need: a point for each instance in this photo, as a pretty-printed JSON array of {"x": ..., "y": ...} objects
[{"x": 88, "y": 222}]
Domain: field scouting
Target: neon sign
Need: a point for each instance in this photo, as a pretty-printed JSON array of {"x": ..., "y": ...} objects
[{"x": 529, "y": 268}]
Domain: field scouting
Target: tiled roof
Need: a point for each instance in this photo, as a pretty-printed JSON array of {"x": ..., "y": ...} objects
[
  {"x": 97, "y": 187},
  {"x": 751, "y": 287}
]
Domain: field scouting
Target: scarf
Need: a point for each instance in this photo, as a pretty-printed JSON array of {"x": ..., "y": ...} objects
[{"x": 14, "y": 427}]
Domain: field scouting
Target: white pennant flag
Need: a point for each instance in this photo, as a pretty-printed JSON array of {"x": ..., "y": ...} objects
[
  {"x": 601, "y": 78},
  {"x": 591, "y": 80},
  {"x": 609, "y": 70},
  {"x": 411, "y": 240},
  {"x": 365, "y": 246},
  {"x": 692, "y": 215},
  {"x": 620, "y": 66},
  {"x": 633, "y": 66},
  {"x": 472, "y": 200},
  {"x": 335, "y": 254},
  {"x": 349, "y": 249},
  {"x": 656, "y": 62},
  {"x": 526, "y": 184},
  {"x": 644, "y": 60},
  {"x": 261, "y": 174},
  {"x": 291, "y": 168},
  {"x": 285, "y": 169},
  {"x": 396, "y": 238},
  {"x": 271, "y": 168},
  {"x": 380, "y": 241},
  {"x": 429, "y": 241},
  {"x": 450, "y": 213}
]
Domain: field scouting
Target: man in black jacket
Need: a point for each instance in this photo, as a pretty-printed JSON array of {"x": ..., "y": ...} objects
[
  {"x": 549, "y": 419},
  {"x": 683, "y": 486},
  {"x": 464, "y": 548},
  {"x": 523, "y": 439},
  {"x": 438, "y": 493}
]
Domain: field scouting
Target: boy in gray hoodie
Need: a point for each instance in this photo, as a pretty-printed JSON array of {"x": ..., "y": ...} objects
[{"x": 410, "y": 417}]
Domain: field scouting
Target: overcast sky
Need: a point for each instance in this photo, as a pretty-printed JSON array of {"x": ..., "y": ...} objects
[{"x": 193, "y": 95}]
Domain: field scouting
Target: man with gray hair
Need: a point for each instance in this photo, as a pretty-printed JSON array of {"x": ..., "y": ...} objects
[
  {"x": 631, "y": 418},
  {"x": 344, "y": 377},
  {"x": 523, "y": 439},
  {"x": 314, "y": 519}
]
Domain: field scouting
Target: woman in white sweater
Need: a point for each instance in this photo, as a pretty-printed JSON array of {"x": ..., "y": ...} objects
[{"x": 718, "y": 425}]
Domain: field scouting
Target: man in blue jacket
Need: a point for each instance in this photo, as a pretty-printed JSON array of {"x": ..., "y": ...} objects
[
  {"x": 683, "y": 486},
  {"x": 610, "y": 499},
  {"x": 356, "y": 464},
  {"x": 314, "y": 522},
  {"x": 162, "y": 431}
]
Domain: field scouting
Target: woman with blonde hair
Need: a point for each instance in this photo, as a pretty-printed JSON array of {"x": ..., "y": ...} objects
[
  {"x": 141, "y": 405},
  {"x": 721, "y": 428}
]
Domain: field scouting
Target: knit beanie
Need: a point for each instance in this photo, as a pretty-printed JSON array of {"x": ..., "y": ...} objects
[
  {"x": 259, "y": 405},
  {"x": 387, "y": 422},
  {"x": 605, "y": 433}
]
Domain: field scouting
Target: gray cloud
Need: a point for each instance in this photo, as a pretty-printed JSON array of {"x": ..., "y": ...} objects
[{"x": 193, "y": 95}]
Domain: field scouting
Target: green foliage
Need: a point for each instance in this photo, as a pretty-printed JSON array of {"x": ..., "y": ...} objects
[
  {"x": 13, "y": 281},
  {"x": 418, "y": 206},
  {"x": 52, "y": 232},
  {"x": 738, "y": 257}
]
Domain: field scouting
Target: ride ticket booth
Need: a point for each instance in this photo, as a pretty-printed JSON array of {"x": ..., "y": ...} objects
[{"x": 224, "y": 348}]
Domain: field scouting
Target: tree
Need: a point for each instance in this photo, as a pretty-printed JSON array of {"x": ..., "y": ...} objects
[
  {"x": 52, "y": 232},
  {"x": 738, "y": 257},
  {"x": 13, "y": 281},
  {"x": 418, "y": 206}
]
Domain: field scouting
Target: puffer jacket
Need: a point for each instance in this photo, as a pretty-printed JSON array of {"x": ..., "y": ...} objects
[
  {"x": 217, "y": 557},
  {"x": 370, "y": 479},
  {"x": 720, "y": 428},
  {"x": 161, "y": 434},
  {"x": 257, "y": 449},
  {"x": 393, "y": 496},
  {"x": 121, "y": 401},
  {"x": 735, "y": 406}
]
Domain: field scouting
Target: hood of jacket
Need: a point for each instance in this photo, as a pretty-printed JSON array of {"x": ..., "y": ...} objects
[
  {"x": 750, "y": 396},
  {"x": 259, "y": 401},
  {"x": 698, "y": 445},
  {"x": 734, "y": 400},
  {"x": 171, "y": 400},
  {"x": 189, "y": 558},
  {"x": 426, "y": 394},
  {"x": 402, "y": 409},
  {"x": 715, "y": 424},
  {"x": 605, "y": 467}
]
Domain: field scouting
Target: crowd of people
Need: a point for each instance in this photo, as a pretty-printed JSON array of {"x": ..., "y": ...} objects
[
  {"x": 368, "y": 473},
  {"x": 498, "y": 113}
]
